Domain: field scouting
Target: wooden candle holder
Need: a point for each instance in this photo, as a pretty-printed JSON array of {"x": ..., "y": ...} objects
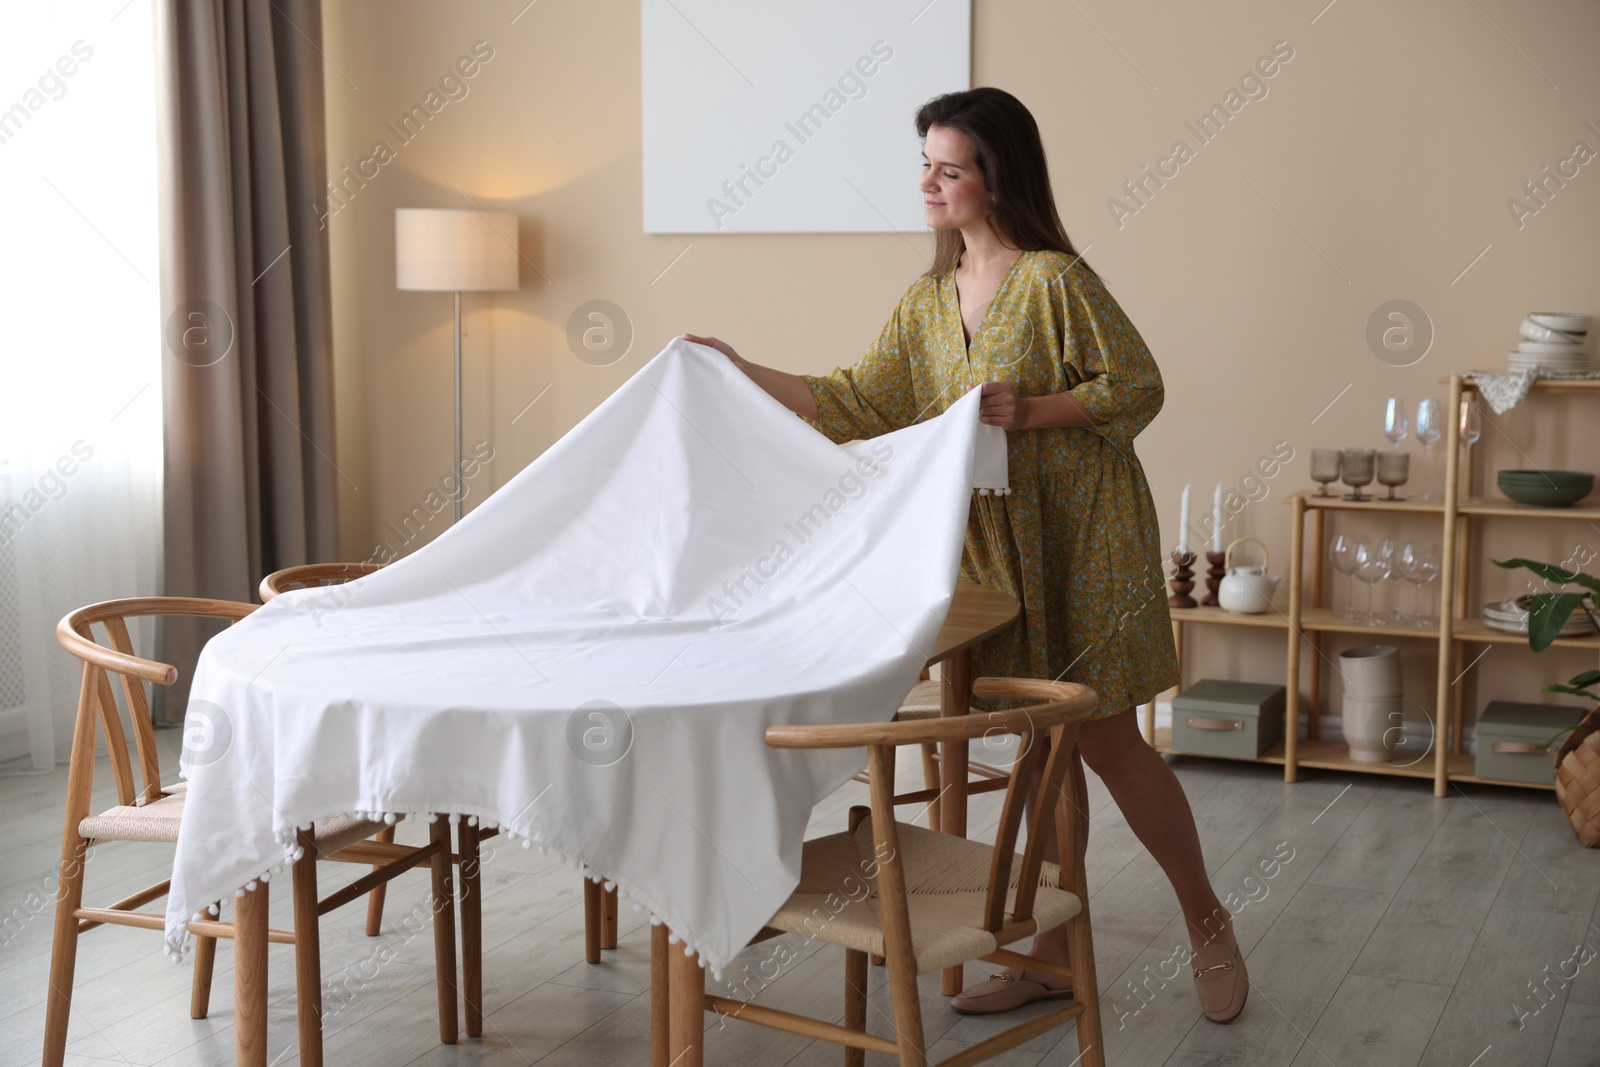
[
  {"x": 1182, "y": 580},
  {"x": 1214, "y": 575}
]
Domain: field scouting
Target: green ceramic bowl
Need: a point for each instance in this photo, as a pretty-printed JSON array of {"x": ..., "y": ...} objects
[
  {"x": 1546, "y": 489},
  {"x": 1535, "y": 477}
]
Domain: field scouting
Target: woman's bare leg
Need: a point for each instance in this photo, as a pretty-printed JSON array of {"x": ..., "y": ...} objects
[{"x": 1154, "y": 804}]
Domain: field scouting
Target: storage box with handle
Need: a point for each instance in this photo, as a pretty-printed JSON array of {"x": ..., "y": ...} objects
[
  {"x": 1214, "y": 717},
  {"x": 1510, "y": 739}
]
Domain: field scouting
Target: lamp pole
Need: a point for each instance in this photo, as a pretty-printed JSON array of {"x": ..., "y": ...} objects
[
  {"x": 457, "y": 474},
  {"x": 453, "y": 250}
]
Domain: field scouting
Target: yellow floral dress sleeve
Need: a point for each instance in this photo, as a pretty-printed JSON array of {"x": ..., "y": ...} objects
[
  {"x": 1113, "y": 373},
  {"x": 876, "y": 395}
]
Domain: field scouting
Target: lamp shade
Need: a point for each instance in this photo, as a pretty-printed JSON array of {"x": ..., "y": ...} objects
[{"x": 451, "y": 250}]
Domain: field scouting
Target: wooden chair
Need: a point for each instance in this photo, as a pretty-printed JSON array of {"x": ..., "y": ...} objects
[
  {"x": 599, "y": 903},
  {"x": 929, "y": 900},
  {"x": 328, "y": 574},
  {"x": 920, "y": 704},
  {"x": 152, "y": 812},
  {"x": 310, "y": 574}
]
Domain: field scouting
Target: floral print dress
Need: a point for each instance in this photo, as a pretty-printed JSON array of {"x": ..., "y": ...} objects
[{"x": 1076, "y": 540}]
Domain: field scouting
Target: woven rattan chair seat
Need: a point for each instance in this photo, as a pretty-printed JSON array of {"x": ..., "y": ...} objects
[
  {"x": 158, "y": 822},
  {"x": 946, "y": 880}
]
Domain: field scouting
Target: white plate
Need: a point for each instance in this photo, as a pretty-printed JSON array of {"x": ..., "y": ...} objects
[
  {"x": 1575, "y": 620},
  {"x": 1552, "y": 348},
  {"x": 1547, "y": 371},
  {"x": 1498, "y": 616},
  {"x": 1522, "y": 627},
  {"x": 1554, "y": 366}
]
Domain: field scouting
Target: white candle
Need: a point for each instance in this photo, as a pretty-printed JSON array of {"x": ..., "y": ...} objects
[
  {"x": 1183, "y": 524},
  {"x": 1216, "y": 520}
]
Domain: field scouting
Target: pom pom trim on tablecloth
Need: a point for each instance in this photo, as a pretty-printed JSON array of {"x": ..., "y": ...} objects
[{"x": 288, "y": 838}]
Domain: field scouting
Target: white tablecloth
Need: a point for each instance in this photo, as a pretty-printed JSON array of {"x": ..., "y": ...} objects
[{"x": 590, "y": 658}]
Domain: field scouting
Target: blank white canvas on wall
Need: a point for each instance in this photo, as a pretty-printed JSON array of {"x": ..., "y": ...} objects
[{"x": 762, "y": 117}]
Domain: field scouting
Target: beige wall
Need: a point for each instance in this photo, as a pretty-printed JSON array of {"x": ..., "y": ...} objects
[{"x": 1378, "y": 165}]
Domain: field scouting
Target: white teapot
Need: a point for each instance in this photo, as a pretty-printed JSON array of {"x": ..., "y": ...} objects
[{"x": 1246, "y": 590}]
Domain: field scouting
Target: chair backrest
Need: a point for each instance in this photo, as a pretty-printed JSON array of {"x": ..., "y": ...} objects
[
  {"x": 97, "y": 706},
  {"x": 312, "y": 574},
  {"x": 1063, "y": 706}
]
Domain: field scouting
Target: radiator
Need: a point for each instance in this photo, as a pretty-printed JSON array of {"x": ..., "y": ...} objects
[{"x": 27, "y": 634}]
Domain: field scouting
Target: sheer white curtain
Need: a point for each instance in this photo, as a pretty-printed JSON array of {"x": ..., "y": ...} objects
[{"x": 80, "y": 360}]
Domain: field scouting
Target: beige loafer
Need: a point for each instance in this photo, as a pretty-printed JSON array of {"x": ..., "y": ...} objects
[
  {"x": 1002, "y": 992},
  {"x": 1221, "y": 981}
]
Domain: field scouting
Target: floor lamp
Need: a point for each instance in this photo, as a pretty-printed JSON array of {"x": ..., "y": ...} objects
[{"x": 447, "y": 250}]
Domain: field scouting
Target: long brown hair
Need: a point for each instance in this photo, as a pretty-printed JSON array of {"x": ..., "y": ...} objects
[{"x": 1010, "y": 156}]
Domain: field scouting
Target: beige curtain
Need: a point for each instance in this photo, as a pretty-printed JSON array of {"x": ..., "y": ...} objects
[{"x": 247, "y": 376}]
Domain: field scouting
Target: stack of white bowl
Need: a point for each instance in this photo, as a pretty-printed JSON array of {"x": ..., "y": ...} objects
[{"x": 1552, "y": 343}]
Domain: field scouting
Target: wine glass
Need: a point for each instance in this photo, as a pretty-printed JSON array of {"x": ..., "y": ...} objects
[
  {"x": 1372, "y": 566},
  {"x": 1419, "y": 565},
  {"x": 1342, "y": 554},
  {"x": 1431, "y": 570},
  {"x": 1394, "y": 420},
  {"x": 1430, "y": 426},
  {"x": 1356, "y": 469},
  {"x": 1324, "y": 469},
  {"x": 1390, "y": 550},
  {"x": 1393, "y": 469},
  {"x": 1471, "y": 429},
  {"x": 1410, "y": 569}
]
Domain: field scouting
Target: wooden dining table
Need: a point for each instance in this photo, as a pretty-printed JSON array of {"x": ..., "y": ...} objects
[
  {"x": 678, "y": 989},
  {"x": 678, "y": 982}
]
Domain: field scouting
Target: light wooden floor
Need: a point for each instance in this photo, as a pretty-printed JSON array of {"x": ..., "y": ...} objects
[{"x": 1403, "y": 930}]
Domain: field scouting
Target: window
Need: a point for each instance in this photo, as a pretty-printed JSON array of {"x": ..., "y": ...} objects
[{"x": 80, "y": 426}]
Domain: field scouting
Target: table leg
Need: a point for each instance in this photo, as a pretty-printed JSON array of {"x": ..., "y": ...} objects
[
  {"x": 955, "y": 698},
  {"x": 443, "y": 902},
  {"x": 660, "y": 998},
  {"x": 686, "y": 1008},
  {"x": 250, "y": 977},
  {"x": 593, "y": 918},
  {"x": 471, "y": 889},
  {"x": 608, "y": 912}
]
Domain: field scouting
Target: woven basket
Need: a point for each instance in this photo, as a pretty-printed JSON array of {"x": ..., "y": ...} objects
[{"x": 1578, "y": 779}]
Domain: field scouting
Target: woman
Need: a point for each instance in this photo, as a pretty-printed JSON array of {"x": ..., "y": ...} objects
[{"x": 1010, "y": 306}]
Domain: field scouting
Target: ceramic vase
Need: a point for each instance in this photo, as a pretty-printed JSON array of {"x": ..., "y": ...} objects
[
  {"x": 1371, "y": 727},
  {"x": 1373, "y": 708}
]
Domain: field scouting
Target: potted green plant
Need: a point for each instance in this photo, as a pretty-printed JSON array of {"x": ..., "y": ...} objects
[{"x": 1577, "y": 761}]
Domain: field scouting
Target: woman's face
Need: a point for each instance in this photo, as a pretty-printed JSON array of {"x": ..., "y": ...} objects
[{"x": 952, "y": 188}]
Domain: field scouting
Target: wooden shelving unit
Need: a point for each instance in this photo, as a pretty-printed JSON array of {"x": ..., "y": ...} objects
[
  {"x": 1333, "y": 756},
  {"x": 1304, "y": 623}
]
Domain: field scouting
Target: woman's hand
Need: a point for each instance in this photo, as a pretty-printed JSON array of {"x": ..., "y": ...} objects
[
  {"x": 721, "y": 346},
  {"x": 1002, "y": 407},
  {"x": 790, "y": 390}
]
